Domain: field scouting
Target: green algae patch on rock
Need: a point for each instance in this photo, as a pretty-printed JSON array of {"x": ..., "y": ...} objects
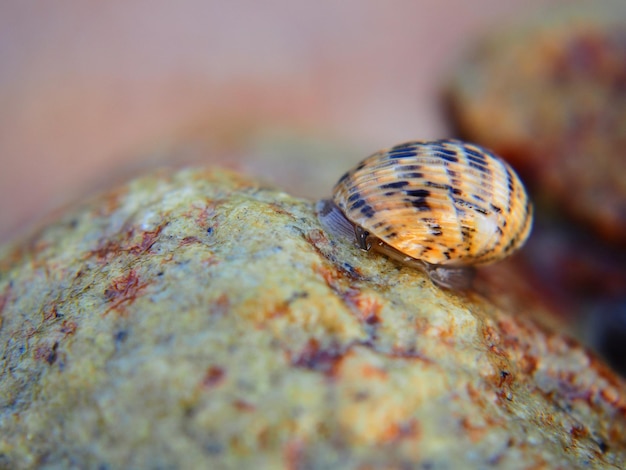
[{"x": 197, "y": 319}]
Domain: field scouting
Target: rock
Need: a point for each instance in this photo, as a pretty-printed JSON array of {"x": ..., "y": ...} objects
[
  {"x": 549, "y": 94},
  {"x": 198, "y": 319}
]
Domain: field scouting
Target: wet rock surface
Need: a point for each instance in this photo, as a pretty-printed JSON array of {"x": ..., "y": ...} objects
[{"x": 199, "y": 319}]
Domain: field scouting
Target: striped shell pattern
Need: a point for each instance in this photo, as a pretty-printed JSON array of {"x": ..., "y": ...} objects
[{"x": 445, "y": 202}]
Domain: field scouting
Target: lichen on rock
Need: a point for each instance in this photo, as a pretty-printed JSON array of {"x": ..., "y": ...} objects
[{"x": 197, "y": 319}]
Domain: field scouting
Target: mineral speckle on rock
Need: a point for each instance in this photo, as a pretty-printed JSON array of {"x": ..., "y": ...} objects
[{"x": 197, "y": 319}]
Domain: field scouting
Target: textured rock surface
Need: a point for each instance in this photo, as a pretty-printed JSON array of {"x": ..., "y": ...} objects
[
  {"x": 549, "y": 95},
  {"x": 199, "y": 320}
]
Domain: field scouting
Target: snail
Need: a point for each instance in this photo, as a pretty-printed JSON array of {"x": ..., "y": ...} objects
[{"x": 442, "y": 206}]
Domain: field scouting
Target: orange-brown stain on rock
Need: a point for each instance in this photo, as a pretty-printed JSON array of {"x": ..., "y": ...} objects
[
  {"x": 340, "y": 281},
  {"x": 293, "y": 453},
  {"x": 409, "y": 353},
  {"x": 202, "y": 215},
  {"x": 445, "y": 335},
  {"x": 148, "y": 238},
  {"x": 123, "y": 291},
  {"x": 521, "y": 351},
  {"x": 278, "y": 208},
  {"x": 211, "y": 261},
  {"x": 493, "y": 341},
  {"x": 105, "y": 250},
  {"x": 38, "y": 245},
  {"x": 111, "y": 201},
  {"x": 221, "y": 306},
  {"x": 503, "y": 380},
  {"x": 68, "y": 328},
  {"x": 334, "y": 278},
  {"x": 528, "y": 364},
  {"x": 109, "y": 248},
  {"x": 277, "y": 310},
  {"x": 213, "y": 377},
  {"x": 610, "y": 394},
  {"x": 331, "y": 277},
  {"x": 505, "y": 384},
  {"x": 474, "y": 432},
  {"x": 242, "y": 405},
  {"x": 366, "y": 307},
  {"x": 316, "y": 237},
  {"x": 189, "y": 241},
  {"x": 482, "y": 399},
  {"x": 47, "y": 352},
  {"x": 371, "y": 372},
  {"x": 394, "y": 432},
  {"x": 51, "y": 313},
  {"x": 314, "y": 357},
  {"x": 578, "y": 431}
]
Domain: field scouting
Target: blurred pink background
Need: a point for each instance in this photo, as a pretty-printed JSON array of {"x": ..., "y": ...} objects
[{"x": 93, "y": 91}]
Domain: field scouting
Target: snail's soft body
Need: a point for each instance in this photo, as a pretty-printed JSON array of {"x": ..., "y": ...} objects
[{"x": 443, "y": 205}]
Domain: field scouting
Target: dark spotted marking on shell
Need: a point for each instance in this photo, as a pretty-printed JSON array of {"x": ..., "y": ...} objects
[{"x": 395, "y": 185}]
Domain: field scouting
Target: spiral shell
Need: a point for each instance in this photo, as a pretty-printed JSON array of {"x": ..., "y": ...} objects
[{"x": 443, "y": 202}]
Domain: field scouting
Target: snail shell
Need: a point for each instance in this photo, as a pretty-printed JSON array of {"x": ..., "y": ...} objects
[{"x": 441, "y": 205}]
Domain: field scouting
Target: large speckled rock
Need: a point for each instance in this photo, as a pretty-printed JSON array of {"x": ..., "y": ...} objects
[{"x": 199, "y": 320}]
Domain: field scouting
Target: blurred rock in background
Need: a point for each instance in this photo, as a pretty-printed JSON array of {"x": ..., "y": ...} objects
[{"x": 549, "y": 95}]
